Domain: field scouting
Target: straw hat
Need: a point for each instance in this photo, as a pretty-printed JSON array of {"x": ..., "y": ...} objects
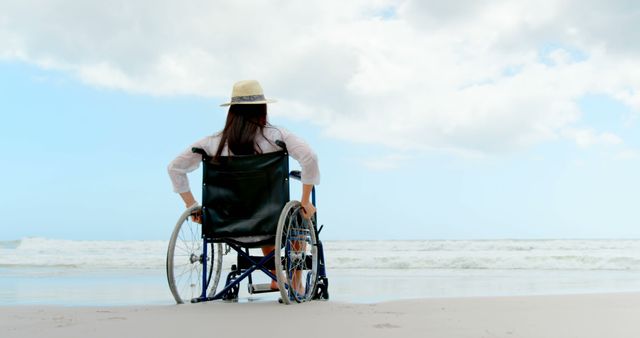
[{"x": 247, "y": 92}]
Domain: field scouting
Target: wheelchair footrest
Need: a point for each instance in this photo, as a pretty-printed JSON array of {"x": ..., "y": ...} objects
[{"x": 261, "y": 288}]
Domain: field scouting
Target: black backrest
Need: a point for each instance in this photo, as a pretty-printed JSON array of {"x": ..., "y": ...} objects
[{"x": 244, "y": 195}]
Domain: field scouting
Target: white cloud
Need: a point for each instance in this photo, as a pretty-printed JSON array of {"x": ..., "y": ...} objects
[
  {"x": 463, "y": 76},
  {"x": 588, "y": 137}
]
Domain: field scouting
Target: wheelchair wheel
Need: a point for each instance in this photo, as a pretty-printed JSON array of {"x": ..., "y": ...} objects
[
  {"x": 185, "y": 259},
  {"x": 296, "y": 255}
]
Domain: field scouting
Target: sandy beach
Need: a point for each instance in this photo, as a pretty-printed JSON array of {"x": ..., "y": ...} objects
[{"x": 580, "y": 316}]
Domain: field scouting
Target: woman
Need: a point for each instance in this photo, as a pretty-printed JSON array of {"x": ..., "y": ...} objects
[{"x": 247, "y": 132}]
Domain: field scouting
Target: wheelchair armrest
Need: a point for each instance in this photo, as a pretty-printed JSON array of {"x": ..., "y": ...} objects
[
  {"x": 198, "y": 151},
  {"x": 296, "y": 174},
  {"x": 201, "y": 151}
]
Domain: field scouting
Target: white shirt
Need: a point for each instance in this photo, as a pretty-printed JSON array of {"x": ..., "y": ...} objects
[{"x": 188, "y": 161}]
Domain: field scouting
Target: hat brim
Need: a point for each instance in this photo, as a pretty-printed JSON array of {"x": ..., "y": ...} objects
[{"x": 252, "y": 102}]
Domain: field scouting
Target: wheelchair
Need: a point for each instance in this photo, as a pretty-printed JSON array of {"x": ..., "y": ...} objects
[{"x": 245, "y": 205}]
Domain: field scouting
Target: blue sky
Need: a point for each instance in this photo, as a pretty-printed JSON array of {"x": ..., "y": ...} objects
[{"x": 428, "y": 125}]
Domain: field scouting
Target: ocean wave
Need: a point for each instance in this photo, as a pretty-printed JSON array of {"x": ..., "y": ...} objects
[
  {"x": 10, "y": 244},
  {"x": 431, "y": 254},
  {"x": 28, "y": 266}
]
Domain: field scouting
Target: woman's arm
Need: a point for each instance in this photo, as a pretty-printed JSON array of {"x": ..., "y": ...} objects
[
  {"x": 188, "y": 199},
  {"x": 186, "y": 162},
  {"x": 307, "y": 207},
  {"x": 301, "y": 152},
  {"x": 306, "y": 157}
]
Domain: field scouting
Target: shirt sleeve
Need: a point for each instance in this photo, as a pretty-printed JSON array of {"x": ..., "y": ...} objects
[
  {"x": 306, "y": 157},
  {"x": 186, "y": 162}
]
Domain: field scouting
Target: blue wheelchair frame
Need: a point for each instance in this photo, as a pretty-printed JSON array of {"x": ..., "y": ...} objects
[{"x": 247, "y": 264}]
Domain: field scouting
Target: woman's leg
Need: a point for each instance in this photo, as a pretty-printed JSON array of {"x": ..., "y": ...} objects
[
  {"x": 265, "y": 251},
  {"x": 297, "y": 279}
]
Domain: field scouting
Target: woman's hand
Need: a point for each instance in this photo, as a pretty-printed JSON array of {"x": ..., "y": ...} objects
[
  {"x": 308, "y": 209},
  {"x": 189, "y": 202},
  {"x": 197, "y": 217}
]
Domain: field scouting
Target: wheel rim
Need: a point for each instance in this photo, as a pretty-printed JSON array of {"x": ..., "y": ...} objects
[
  {"x": 297, "y": 271},
  {"x": 185, "y": 262}
]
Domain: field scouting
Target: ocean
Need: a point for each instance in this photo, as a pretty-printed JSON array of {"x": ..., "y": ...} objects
[{"x": 76, "y": 272}]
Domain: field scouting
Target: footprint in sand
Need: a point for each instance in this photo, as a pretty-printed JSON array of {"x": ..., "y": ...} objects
[{"x": 386, "y": 326}]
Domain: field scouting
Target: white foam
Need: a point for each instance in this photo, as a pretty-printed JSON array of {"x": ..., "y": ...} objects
[
  {"x": 85, "y": 254},
  {"x": 438, "y": 254}
]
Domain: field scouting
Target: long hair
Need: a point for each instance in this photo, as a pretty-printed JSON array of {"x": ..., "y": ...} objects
[{"x": 244, "y": 122}]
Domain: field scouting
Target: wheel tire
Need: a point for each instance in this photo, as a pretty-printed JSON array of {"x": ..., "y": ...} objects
[
  {"x": 184, "y": 260},
  {"x": 295, "y": 241}
]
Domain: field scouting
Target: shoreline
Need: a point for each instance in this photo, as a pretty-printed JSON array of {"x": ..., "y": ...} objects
[
  {"x": 583, "y": 315},
  {"x": 364, "y": 286}
]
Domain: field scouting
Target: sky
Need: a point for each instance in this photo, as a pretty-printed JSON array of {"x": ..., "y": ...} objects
[{"x": 432, "y": 120}]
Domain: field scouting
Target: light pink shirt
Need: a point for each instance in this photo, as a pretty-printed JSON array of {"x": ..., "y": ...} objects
[{"x": 188, "y": 161}]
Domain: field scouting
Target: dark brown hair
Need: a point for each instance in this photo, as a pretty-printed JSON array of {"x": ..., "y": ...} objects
[{"x": 244, "y": 122}]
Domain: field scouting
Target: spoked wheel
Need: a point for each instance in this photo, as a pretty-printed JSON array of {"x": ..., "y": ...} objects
[
  {"x": 296, "y": 255},
  {"x": 185, "y": 259}
]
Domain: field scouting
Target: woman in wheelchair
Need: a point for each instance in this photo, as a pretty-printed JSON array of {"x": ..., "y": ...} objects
[{"x": 247, "y": 132}]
